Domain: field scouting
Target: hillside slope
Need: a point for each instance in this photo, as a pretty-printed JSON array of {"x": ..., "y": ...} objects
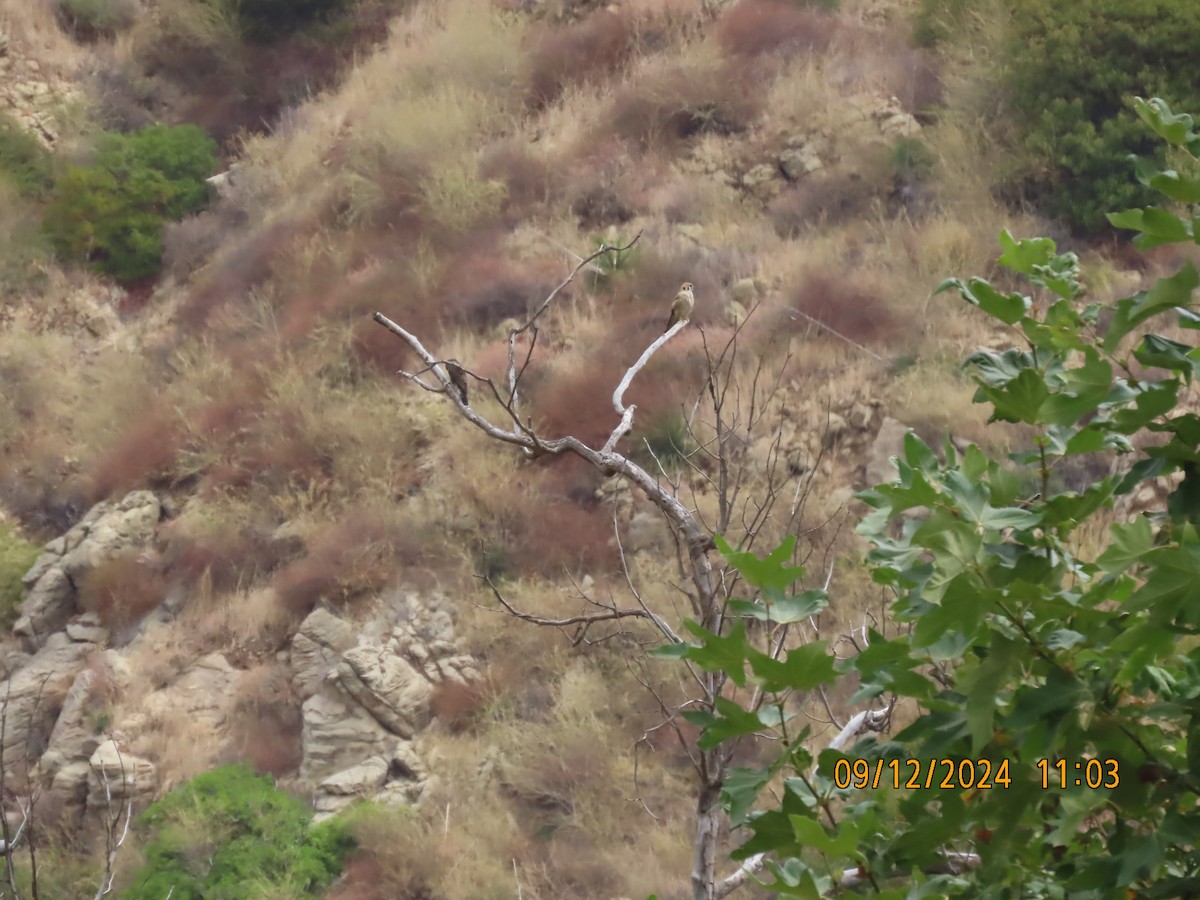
[{"x": 265, "y": 546}]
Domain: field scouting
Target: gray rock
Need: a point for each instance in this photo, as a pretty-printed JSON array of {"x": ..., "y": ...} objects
[
  {"x": 888, "y": 443},
  {"x": 117, "y": 774},
  {"x": 105, "y": 531},
  {"x": 860, "y": 416},
  {"x": 338, "y": 733},
  {"x": 317, "y": 648},
  {"x": 796, "y": 162},
  {"x": 836, "y": 428},
  {"x": 31, "y": 698},
  {"x": 388, "y": 687}
]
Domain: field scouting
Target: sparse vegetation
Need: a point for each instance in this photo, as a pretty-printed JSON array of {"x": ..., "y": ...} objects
[{"x": 444, "y": 162}]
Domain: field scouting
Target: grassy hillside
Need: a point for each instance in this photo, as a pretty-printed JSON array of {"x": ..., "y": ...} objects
[{"x": 441, "y": 162}]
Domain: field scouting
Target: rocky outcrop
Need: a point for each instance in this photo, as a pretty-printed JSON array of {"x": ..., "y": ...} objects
[
  {"x": 107, "y": 530},
  {"x": 316, "y": 649},
  {"x": 374, "y": 697},
  {"x": 116, "y": 775},
  {"x": 202, "y": 695},
  {"x": 77, "y": 732},
  {"x": 29, "y": 93},
  {"x": 31, "y": 699}
]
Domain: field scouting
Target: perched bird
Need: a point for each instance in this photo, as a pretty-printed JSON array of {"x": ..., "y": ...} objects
[
  {"x": 458, "y": 378},
  {"x": 681, "y": 306}
]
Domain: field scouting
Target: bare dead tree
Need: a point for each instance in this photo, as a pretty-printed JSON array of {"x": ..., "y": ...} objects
[
  {"x": 728, "y": 414},
  {"x": 114, "y": 832}
]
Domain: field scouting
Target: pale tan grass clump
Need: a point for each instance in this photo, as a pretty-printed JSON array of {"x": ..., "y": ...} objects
[{"x": 935, "y": 398}]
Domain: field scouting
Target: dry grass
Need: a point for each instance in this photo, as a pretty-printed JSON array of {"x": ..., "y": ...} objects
[
  {"x": 121, "y": 590},
  {"x": 438, "y": 183}
]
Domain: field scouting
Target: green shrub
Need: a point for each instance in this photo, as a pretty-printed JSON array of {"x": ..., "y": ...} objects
[
  {"x": 112, "y": 212},
  {"x": 937, "y": 21},
  {"x": 668, "y": 441},
  {"x": 1073, "y": 68},
  {"x": 230, "y": 834},
  {"x": 22, "y": 159},
  {"x": 92, "y": 19},
  {"x": 912, "y": 159},
  {"x": 267, "y": 20},
  {"x": 16, "y": 557}
]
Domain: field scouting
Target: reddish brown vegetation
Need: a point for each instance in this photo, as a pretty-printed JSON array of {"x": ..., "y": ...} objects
[
  {"x": 559, "y": 537},
  {"x": 853, "y": 306},
  {"x": 230, "y": 556},
  {"x": 595, "y": 47},
  {"x": 235, "y": 273},
  {"x": 826, "y": 200},
  {"x": 267, "y": 722},
  {"x": 456, "y": 705},
  {"x": 530, "y": 182},
  {"x": 678, "y": 103},
  {"x": 121, "y": 591},
  {"x": 753, "y": 27},
  {"x": 141, "y": 457},
  {"x": 484, "y": 288},
  {"x": 351, "y": 558},
  {"x": 43, "y": 501}
]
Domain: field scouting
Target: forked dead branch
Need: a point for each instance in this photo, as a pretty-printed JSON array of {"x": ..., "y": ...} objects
[{"x": 760, "y": 498}]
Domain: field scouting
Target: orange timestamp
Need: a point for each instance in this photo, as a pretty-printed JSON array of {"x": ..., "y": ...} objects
[
  {"x": 1091, "y": 773},
  {"x": 945, "y": 774}
]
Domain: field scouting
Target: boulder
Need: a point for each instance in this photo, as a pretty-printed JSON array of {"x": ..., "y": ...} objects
[
  {"x": 105, "y": 531},
  {"x": 203, "y": 693},
  {"x": 31, "y": 698},
  {"x": 796, "y": 162},
  {"x": 317, "y": 648},
  {"x": 116, "y": 774},
  {"x": 388, "y": 687},
  {"x": 338, "y": 733},
  {"x": 356, "y": 783}
]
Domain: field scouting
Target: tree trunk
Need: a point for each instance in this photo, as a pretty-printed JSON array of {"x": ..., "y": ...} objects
[{"x": 708, "y": 829}]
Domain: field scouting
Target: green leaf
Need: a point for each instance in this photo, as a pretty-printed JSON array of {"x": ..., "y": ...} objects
[
  {"x": 810, "y": 833},
  {"x": 740, "y": 792},
  {"x": 1167, "y": 293},
  {"x": 767, "y": 573},
  {"x": 982, "y": 686},
  {"x": 1026, "y": 255},
  {"x": 785, "y": 611},
  {"x": 1064, "y": 639},
  {"x": 803, "y": 668},
  {"x": 1166, "y": 354},
  {"x": 1008, "y": 308},
  {"x": 720, "y": 654},
  {"x": 1129, "y": 546}
]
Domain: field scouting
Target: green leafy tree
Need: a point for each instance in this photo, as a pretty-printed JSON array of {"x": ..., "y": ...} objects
[
  {"x": 1073, "y": 68},
  {"x": 1062, "y": 667},
  {"x": 112, "y": 213},
  {"x": 232, "y": 835}
]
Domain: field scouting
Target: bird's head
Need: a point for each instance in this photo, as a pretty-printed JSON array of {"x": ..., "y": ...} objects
[{"x": 687, "y": 286}]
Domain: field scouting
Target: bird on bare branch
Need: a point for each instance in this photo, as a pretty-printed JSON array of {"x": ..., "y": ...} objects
[
  {"x": 681, "y": 306},
  {"x": 458, "y": 378}
]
